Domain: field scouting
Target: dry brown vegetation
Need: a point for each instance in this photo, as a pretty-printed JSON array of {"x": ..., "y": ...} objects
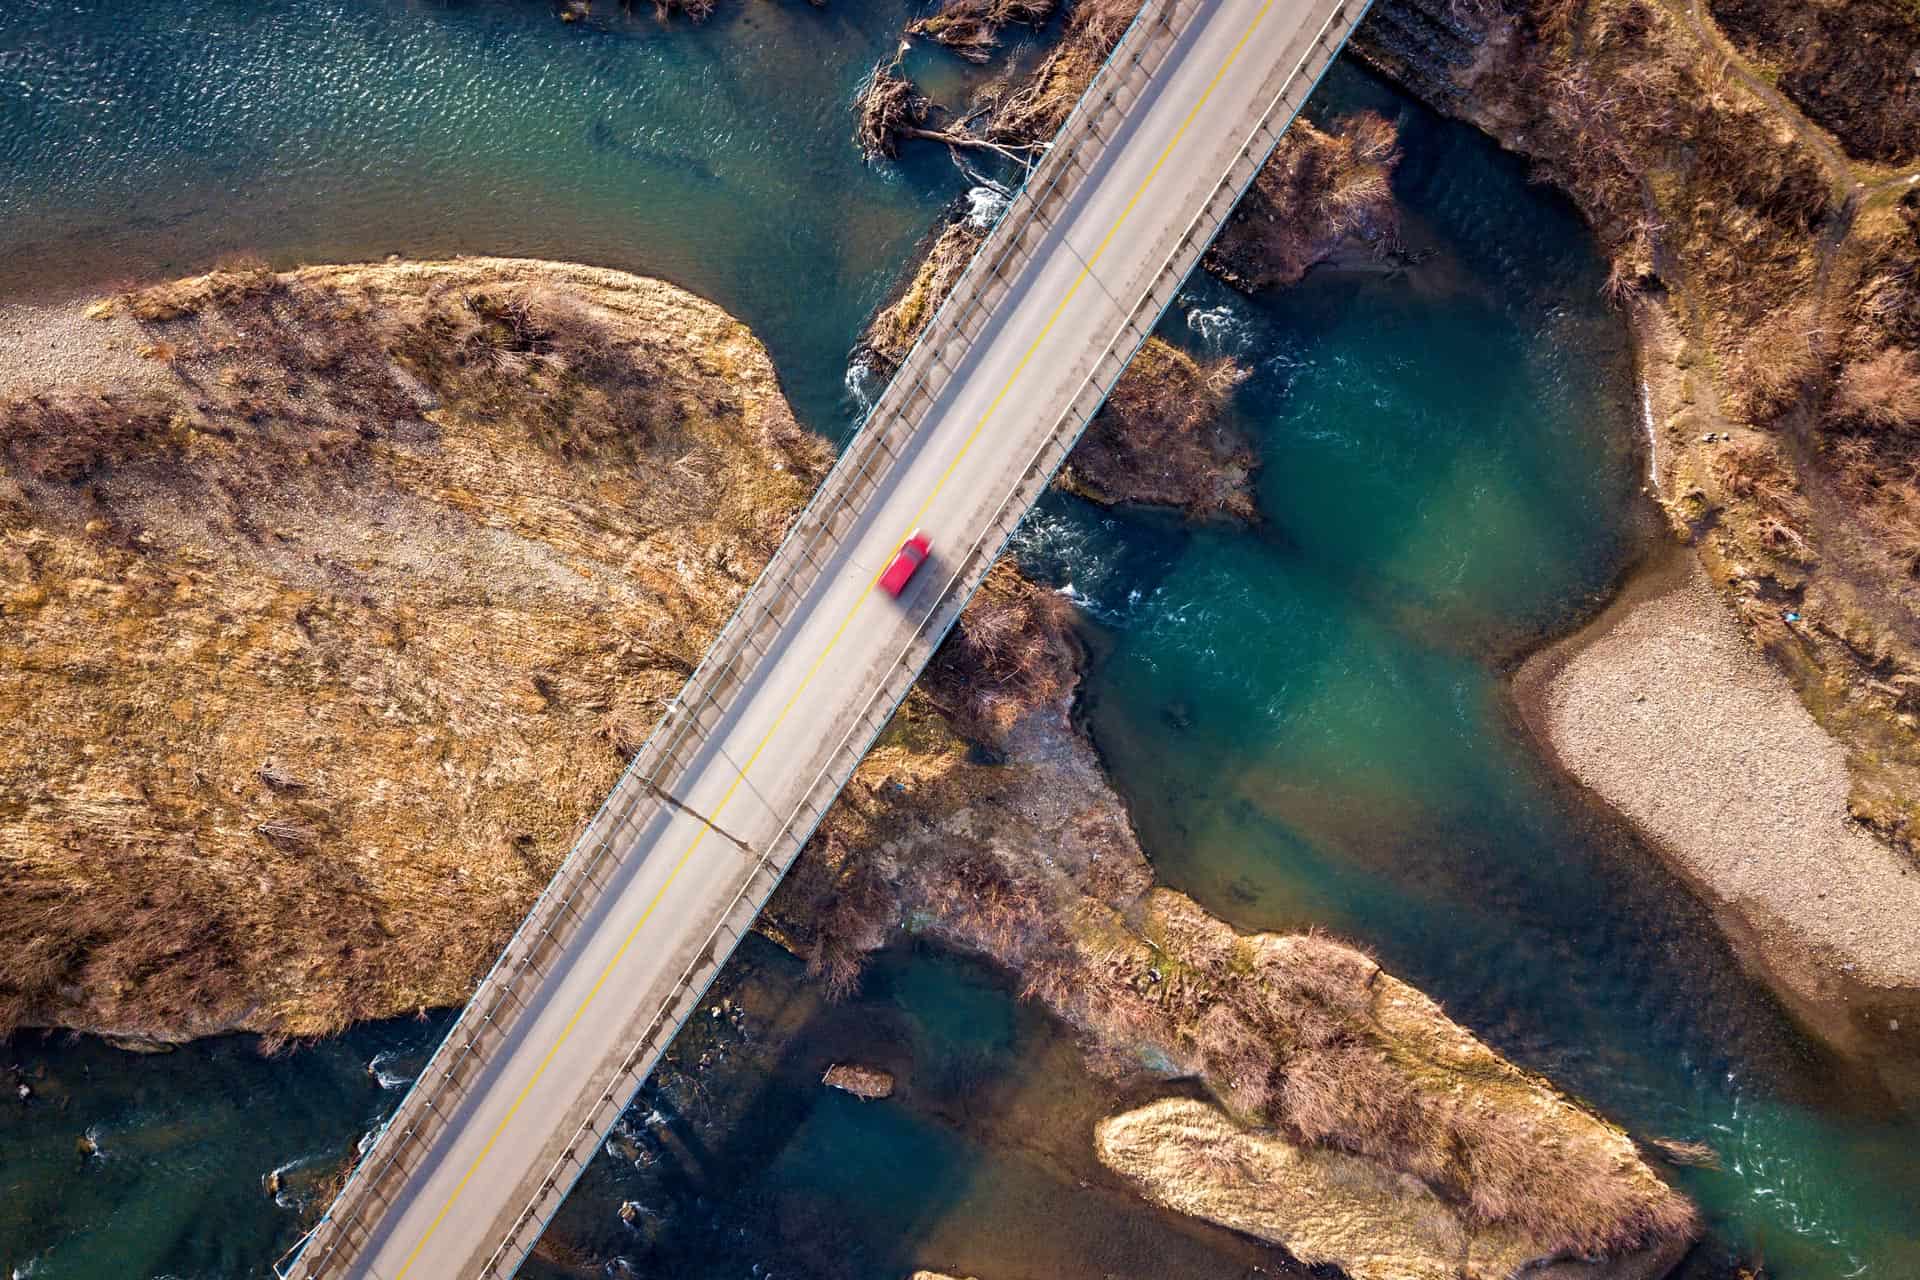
[
  {"x": 1011, "y": 651},
  {"x": 1849, "y": 64},
  {"x": 1031, "y": 108},
  {"x": 1881, "y": 392},
  {"x": 314, "y": 663},
  {"x": 1163, "y": 435},
  {"x": 1317, "y": 190},
  {"x": 1786, "y": 279},
  {"x": 1024, "y": 854}
]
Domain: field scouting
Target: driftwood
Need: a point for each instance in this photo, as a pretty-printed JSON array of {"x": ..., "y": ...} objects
[
  {"x": 888, "y": 108},
  {"x": 970, "y": 29}
]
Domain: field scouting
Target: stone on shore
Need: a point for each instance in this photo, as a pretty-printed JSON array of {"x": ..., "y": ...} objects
[
  {"x": 1667, "y": 712},
  {"x": 862, "y": 1082}
]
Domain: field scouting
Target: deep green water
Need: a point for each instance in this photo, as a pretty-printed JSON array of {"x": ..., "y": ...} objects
[
  {"x": 1310, "y": 721},
  {"x": 1307, "y": 717},
  {"x": 146, "y": 140}
]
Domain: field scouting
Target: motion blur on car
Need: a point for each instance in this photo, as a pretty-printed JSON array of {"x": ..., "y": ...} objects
[{"x": 913, "y": 554}]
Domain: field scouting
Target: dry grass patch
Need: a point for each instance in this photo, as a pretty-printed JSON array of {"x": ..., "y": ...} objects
[
  {"x": 1847, "y": 63},
  {"x": 1163, "y": 437},
  {"x": 1013, "y": 650},
  {"x": 1317, "y": 190},
  {"x": 316, "y": 664},
  {"x": 1881, "y": 391}
]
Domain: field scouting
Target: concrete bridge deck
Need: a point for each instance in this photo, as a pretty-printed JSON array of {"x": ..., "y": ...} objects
[{"x": 671, "y": 872}]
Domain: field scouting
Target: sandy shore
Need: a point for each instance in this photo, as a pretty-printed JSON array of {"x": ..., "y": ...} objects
[
  {"x": 44, "y": 345},
  {"x": 1663, "y": 708}
]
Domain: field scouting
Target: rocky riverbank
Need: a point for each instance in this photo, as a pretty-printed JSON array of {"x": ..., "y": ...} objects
[
  {"x": 1004, "y": 839},
  {"x": 1664, "y": 709},
  {"x": 1766, "y": 242},
  {"x": 335, "y": 600}
]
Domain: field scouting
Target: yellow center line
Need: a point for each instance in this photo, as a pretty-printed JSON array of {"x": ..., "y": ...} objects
[{"x": 740, "y": 774}]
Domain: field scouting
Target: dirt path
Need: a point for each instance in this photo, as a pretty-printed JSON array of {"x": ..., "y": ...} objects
[{"x": 1849, "y": 176}]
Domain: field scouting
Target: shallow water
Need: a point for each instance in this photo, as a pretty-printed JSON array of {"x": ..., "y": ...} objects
[
  {"x": 147, "y": 140},
  {"x": 1307, "y": 717},
  {"x": 1309, "y": 721}
]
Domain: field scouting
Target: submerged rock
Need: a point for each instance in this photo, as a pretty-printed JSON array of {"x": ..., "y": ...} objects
[
  {"x": 141, "y": 1044},
  {"x": 1692, "y": 1155},
  {"x": 861, "y": 1082}
]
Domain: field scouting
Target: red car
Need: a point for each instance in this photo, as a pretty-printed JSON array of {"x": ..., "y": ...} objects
[{"x": 912, "y": 555}]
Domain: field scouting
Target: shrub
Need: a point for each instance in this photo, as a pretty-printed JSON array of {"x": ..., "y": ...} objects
[{"x": 1882, "y": 390}]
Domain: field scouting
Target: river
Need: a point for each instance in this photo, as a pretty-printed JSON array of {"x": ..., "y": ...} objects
[{"x": 1308, "y": 717}]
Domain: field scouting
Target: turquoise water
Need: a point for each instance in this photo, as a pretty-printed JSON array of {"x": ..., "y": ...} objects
[
  {"x": 1311, "y": 725},
  {"x": 1307, "y": 717},
  {"x": 146, "y": 140}
]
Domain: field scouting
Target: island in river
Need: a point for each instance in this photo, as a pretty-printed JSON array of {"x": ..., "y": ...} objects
[
  {"x": 131, "y": 357},
  {"x": 279, "y": 781}
]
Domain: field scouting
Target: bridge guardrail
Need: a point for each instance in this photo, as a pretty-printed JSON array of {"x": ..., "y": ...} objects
[
  {"x": 795, "y": 567},
  {"x": 544, "y": 931},
  {"x": 971, "y": 570}
]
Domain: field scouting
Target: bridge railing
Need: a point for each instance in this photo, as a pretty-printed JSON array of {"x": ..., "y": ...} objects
[
  {"x": 795, "y": 568},
  {"x": 1289, "y": 91}
]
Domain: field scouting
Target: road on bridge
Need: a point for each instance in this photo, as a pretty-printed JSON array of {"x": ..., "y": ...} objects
[{"x": 1080, "y": 292}]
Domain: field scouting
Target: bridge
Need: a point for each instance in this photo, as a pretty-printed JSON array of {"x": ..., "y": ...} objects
[{"x": 670, "y": 873}]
